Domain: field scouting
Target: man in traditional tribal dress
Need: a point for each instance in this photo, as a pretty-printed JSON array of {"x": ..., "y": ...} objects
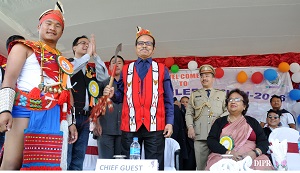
[
  {"x": 35, "y": 100},
  {"x": 147, "y": 113}
]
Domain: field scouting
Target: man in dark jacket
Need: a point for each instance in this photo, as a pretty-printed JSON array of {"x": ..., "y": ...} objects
[
  {"x": 108, "y": 131},
  {"x": 85, "y": 92},
  {"x": 187, "y": 153}
]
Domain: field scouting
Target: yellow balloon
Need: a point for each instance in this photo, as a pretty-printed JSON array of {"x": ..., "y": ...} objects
[{"x": 242, "y": 77}]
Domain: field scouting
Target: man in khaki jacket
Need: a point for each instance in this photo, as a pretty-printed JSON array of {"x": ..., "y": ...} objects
[{"x": 205, "y": 105}]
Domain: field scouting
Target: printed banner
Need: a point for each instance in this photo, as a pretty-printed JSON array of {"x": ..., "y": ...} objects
[{"x": 186, "y": 81}]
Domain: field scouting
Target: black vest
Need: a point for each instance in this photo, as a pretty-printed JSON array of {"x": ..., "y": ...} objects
[{"x": 81, "y": 86}]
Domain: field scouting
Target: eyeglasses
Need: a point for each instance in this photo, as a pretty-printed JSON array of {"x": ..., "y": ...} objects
[
  {"x": 273, "y": 117},
  {"x": 147, "y": 43},
  {"x": 83, "y": 43},
  {"x": 235, "y": 100}
]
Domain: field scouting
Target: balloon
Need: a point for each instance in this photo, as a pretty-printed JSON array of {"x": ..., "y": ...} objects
[
  {"x": 296, "y": 107},
  {"x": 270, "y": 74},
  {"x": 257, "y": 77},
  {"x": 219, "y": 72},
  {"x": 298, "y": 119},
  {"x": 192, "y": 65},
  {"x": 284, "y": 67},
  {"x": 294, "y": 94},
  {"x": 174, "y": 68},
  {"x": 294, "y": 67},
  {"x": 242, "y": 77},
  {"x": 169, "y": 62},
  {"x": 296, "y": 77}
]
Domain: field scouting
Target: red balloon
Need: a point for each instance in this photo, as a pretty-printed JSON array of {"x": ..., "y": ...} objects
[
  {"x": 219, "y": 72},
  {"x": 257, "y": 77},
  {"x": 169, "y": 62}
]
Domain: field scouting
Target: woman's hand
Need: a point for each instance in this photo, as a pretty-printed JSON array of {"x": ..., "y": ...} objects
[
  {"x": 5, "y": 121},
  {"x": 252, "y": 154},
  {"x": 236, "y": 155}
]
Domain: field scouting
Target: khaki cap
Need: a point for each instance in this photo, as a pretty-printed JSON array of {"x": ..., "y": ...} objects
[{"x": 206, "y": 68}]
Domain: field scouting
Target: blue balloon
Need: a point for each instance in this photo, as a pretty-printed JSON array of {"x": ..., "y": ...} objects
[
  {"x": 298, "y": 119},
  {"x": 270, "y": 74},
  {"x": 294, "y": 94}
]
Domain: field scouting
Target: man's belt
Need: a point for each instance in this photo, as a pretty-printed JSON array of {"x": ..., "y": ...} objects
[{"x": 82, "y": 112}]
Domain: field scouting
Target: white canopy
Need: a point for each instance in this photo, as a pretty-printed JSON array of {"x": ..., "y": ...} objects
[{"x": 181, "y": 27}]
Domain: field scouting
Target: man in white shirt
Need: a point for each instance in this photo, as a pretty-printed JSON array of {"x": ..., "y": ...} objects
[{"x": 286, "y": 118}]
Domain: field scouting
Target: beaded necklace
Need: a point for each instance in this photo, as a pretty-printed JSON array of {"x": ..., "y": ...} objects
[{"x": 50, "y": 87}]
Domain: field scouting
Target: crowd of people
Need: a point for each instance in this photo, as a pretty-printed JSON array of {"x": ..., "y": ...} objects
[{"x": 46, "y": 101}]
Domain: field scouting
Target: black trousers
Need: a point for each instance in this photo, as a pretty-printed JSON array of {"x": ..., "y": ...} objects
[
  {"x": 154, "y": 144},
  {"x": 190, "y": 163}
]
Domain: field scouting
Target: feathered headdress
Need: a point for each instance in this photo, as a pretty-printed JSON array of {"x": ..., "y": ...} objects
[
  {"x": 56, "y": 14},
  {"x": 141, "y": 31}
]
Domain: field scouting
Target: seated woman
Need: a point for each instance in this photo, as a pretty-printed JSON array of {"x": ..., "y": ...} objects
[
  {"x": 238, "y": 135},
  {"x": 273, "y": 120}
]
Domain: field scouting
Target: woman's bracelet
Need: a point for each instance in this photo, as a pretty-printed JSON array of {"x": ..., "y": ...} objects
[{"x": 256, "y": 153}]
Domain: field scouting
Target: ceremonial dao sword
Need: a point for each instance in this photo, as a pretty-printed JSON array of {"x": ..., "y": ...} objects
[{"x": 100, "y": 108}]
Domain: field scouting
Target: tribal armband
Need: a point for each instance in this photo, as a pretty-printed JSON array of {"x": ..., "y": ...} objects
[
  {"x": 71, "y": 117},
  {"x": 7, "y": 97}
]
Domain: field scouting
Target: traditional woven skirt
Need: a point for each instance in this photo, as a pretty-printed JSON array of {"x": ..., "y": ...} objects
[{"x": 43, "y": 141}]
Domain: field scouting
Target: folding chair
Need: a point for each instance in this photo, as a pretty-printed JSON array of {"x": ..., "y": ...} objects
[
  {"x": 91, "y": 155},
  {"x": 171, "y": 154},
  {"x": 292, "y": 136}
]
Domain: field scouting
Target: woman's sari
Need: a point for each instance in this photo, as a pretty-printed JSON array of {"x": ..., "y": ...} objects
[{"x": 240, "y": 132}]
